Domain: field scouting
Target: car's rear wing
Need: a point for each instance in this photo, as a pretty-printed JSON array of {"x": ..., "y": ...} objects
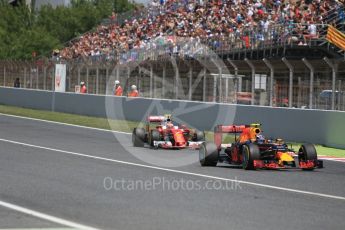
[
  {"x": 229, "y": 128},
  {"x": 220, "y": 129},
  {"x": 233, "y": 129},
  {"x": 155, "y": 119}
]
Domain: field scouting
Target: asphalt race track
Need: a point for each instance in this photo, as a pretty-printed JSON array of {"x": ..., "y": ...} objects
[{"x": 64, "y": 173}]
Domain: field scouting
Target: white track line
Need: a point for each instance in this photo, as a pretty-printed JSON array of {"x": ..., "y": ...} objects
[
  {"x": 86, "y": 127},
  {"x": 178, "y": 171},
  {"x": 62, "y": 123},
  {"x": 45, "y": 216}
]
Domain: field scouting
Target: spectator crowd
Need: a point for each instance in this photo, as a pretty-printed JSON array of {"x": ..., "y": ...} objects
[{"x": 214, "y": 20}]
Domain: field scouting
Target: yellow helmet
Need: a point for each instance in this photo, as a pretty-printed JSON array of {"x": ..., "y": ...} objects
[{"x": 167, "y": 117}]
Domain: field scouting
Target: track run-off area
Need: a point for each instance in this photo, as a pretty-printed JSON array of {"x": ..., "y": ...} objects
[{"x": 61, "y": 176}]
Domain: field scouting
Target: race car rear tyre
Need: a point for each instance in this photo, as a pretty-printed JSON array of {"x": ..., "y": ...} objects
[
  {"x": 138, "y": 137},
  {"x": 307, "y": 152},
  {"x": 199, "y": 136},
  {"x": 208, "y": 154},
  {"x": 250, "y": 152},
  {"x": 155, "y": 136}
]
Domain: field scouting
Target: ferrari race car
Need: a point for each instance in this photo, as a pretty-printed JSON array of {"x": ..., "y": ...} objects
[
  {"x": 252, "y": 151},
  {"x": 161, "y": 132}
]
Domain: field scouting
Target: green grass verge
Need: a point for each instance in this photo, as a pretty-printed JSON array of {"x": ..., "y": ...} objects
[
  {"x": 120, "y": 125},
  {"x": 95, "y": 122}
]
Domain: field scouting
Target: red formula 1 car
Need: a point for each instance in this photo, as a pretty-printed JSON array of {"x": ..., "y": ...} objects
[
  {"x": 160, "y": 132},
  {"x": 252, "y": 151}
]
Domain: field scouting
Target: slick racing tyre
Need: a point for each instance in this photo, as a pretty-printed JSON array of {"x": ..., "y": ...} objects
[
  {"x": 155, "y": 136},
  {"x": 138, "y": 137},
  {"x": 199, "y": 136},
  {"x": 250, "y": 152},
  {"x": 208, "y": 154},
  {"x": 307, "y": 152}
]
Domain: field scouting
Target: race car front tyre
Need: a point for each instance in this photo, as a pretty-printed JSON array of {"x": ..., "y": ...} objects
[
  {"x": 208, "y": 154},
  {"x": 155, "y": 136},
  {"x": 138, "y": 137},
  {"x": 199, "y": 136},
  {"x": 250, "y": 152},
  {"x": 307, "y": 152}
]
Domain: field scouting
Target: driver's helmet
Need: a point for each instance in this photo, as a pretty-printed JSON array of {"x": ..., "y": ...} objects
[
  {"x": 260, "y": 139},
  {"x": 167, "y": 121},
  {"x": 170, "y": 124}
]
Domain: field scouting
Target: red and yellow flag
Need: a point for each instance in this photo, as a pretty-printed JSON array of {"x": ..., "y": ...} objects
[{"x": 336, "y": 37}]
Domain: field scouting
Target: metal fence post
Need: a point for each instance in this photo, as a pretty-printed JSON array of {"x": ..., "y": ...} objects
[
  {"x": 311, "y": 84},
  {"x": 163, "y": 81},
  {"x": 220, "y": 84},
  {"x": 129, "y": 75},
  {"x": 253, "y": 79},
  {"x": 107, "y": 80},
  {"x": 4, "y": 75},
  {"x": 78, "y": 76},
  {"x": 204, "y": 86},
  {"x": 190, "y": 83},
  {"x": 239, "y": 79},
  {"x": 44, "y": 77},
  {"x": 97, "y": 79},
  {"x": 117, "y": 73},
  {"x": 270, "y": 66},
  {"x": 151, "y": 82},
  {"x": 334, "y": 67},
  {"x": 31, "y": 82},
  {"x": 68, "y": 66},
  {"x": 291, "y": 73},
  {"x": 24, "y": 77},
  {"x": 176, "y": 82},
  {"x": 339, "y": 95},
  {"x": 220, "y": 88},
  {"x": 53, "y": 80},
  {"x": 214, "y": 88},
  {"x": 138, "y": 79},
  {"x": 37, "y": 78},
  {"x": 87, "y": 79},
  {"x": 299, "y": 93}
]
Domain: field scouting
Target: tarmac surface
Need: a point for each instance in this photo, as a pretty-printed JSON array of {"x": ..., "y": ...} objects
[{"x": 60, "y": 176}]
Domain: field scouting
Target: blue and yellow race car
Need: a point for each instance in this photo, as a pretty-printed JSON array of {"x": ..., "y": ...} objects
[{"x": 252, "y": 150}]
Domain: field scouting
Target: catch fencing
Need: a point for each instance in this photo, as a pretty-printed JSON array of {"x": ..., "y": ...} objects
[{"x": 314, "y": 84}]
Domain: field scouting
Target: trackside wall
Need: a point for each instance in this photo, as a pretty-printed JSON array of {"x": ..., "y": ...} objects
[{"x": 315, "y": 126}]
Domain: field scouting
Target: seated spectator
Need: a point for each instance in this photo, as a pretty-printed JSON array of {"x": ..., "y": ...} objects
[{"x": 311, "y": 32}]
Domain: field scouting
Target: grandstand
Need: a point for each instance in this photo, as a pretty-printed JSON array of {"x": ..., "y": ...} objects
[
  {"x": 218, "y": 51},
  {"x": 261, "y": 29}
]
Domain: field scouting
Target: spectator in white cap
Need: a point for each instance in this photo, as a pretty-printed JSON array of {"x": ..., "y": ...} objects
[
  {"x": 83, "y": 88},
  {"x": 134, "y": 92},
  {"x": 118, "y": 89}
]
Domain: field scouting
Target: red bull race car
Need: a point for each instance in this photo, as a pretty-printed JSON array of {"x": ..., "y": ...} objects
[
  {"x": 252, "y": 150},
  {"x": 161, "y": 132}
]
